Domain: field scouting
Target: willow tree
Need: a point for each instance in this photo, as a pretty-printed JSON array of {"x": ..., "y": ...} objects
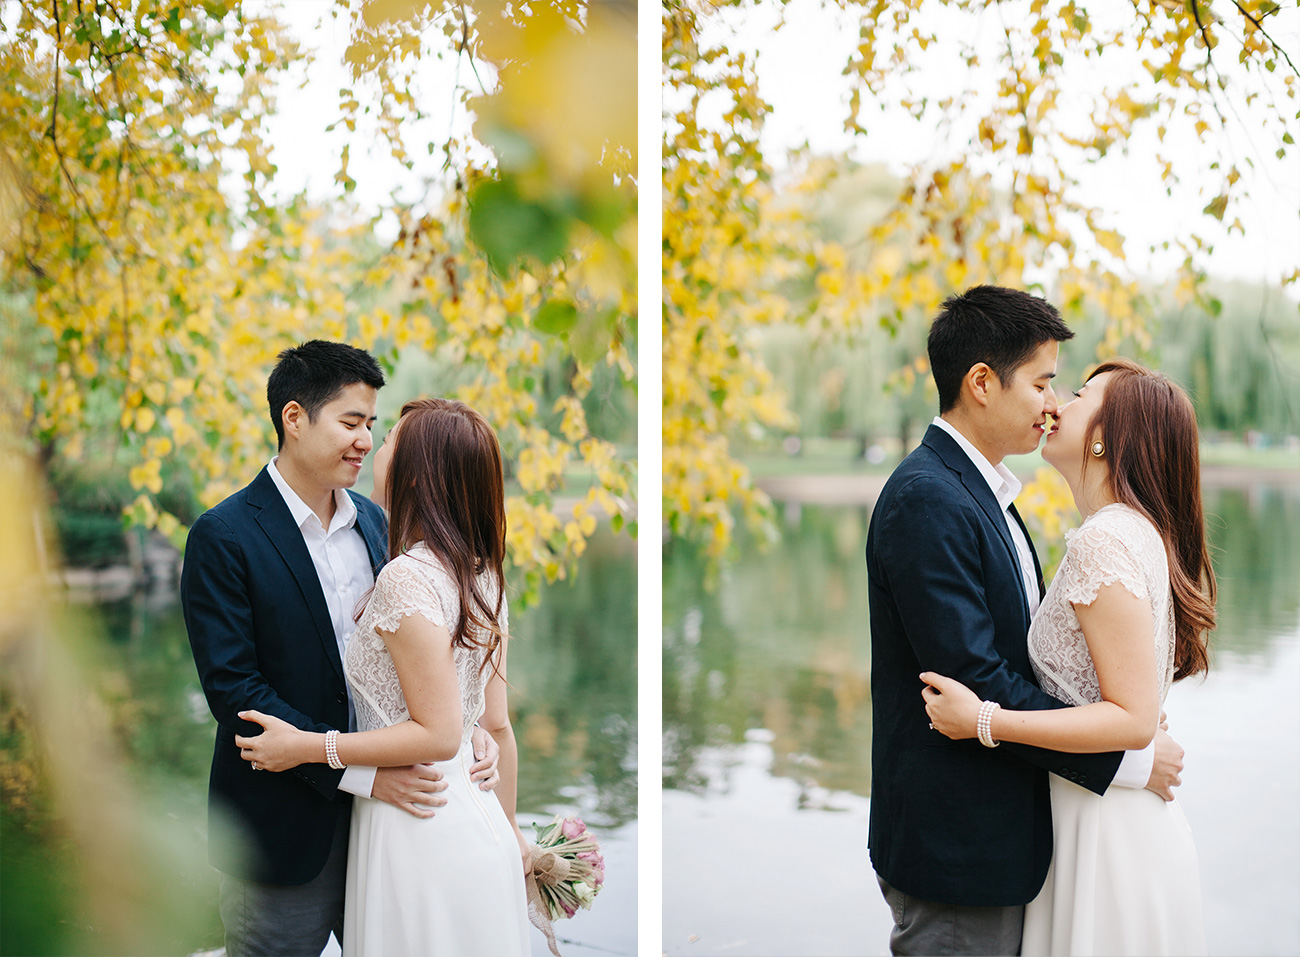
[
  {"x": 1021, "y": 110},
  {"x": 149, "y": 281}
]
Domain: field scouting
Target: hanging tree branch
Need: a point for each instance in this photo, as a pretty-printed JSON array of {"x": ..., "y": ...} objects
[{"x": 1260, "y": 27}]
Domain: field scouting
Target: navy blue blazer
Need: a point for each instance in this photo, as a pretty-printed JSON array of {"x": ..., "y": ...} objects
[
  {"x": 262, "y": 639},
  {"x": 953, "y": 821}
]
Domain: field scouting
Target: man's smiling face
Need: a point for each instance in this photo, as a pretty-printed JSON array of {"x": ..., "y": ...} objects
[
  {"x": 1018, "y": 409},
  {"x": 331, "y": 447}
]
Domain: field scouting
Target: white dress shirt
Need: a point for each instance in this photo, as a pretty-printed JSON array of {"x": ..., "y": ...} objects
[
  {"x": 1005, "y": 487},
  {"x": 1135, "y": 768},
  {"x": 343, "y": 567}
]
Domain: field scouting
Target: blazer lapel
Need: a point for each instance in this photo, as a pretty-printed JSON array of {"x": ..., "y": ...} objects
[
  {"x": 955, "y": 457},
  {"x": 275, "y": 519},
  {"x": 1038, "y": 569}
]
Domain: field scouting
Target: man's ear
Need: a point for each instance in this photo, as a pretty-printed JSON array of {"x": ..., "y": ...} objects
[
  {"x": 293, "y": 417},
  {"x": 978, "y": 383}
]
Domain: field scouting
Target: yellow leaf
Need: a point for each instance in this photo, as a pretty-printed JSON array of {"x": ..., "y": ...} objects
[{"x": 1111, "y": 241}]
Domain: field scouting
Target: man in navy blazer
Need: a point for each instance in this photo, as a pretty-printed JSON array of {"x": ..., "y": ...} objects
[
  {"x": 961, "y": 834},
  {"x": 271, "y": 580}
]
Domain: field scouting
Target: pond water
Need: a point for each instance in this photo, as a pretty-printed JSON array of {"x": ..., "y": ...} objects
[
  {"x": 573, "y": 673},
  {"x": 767, "y": 740}
]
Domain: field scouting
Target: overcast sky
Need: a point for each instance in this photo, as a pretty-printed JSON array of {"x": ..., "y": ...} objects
[{"x": 307, "y": 157}]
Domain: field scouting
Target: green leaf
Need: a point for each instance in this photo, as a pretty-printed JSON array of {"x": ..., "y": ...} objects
[
  {"x": 590, "y": 340},
  {"x": 603, "y": 210},
  {"x": 616, "y": 523},
  {"x": 513, "y": 149},
  {"x": 1217, "y": 206},
  {"x": 509, "y": 227},
  {"x": 556, "y": 317}
]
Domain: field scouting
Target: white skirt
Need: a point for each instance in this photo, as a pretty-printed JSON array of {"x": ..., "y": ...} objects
[
  {"x": 1123, "y": 881},
  {"x": 449, "y": 885}
]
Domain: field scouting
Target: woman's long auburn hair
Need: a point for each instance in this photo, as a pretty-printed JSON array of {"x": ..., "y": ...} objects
[
  {"x": 1148, "y": 427},
  {"x": 445, "y": 488}
]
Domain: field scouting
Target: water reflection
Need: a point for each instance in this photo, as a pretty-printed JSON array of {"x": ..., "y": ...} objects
[
  {"x": 780, "y": 644},
  {"x": 573, "y": 673},
  {"x": 1254, "y": 535}
]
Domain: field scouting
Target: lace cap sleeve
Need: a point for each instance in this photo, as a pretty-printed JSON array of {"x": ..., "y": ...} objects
[
  {"x": 1100, "y": 556},
  {"x": 405, "y": 587},
  {"x": 503, "y": 622}
]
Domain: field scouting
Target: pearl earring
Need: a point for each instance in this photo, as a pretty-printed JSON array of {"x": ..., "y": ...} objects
[{"x": 1098, "y": 449}]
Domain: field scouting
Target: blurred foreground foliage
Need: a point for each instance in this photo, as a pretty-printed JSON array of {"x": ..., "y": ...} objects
[{"x": 94, "y": 862}]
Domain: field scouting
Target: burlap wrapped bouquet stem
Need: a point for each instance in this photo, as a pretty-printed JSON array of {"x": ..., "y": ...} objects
[{"x": 550, "y": 869}]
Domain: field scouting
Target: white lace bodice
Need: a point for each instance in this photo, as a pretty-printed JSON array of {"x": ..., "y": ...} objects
[
  {"x": 1114, "y": 545},
  {"x": 415, "y": 583}
]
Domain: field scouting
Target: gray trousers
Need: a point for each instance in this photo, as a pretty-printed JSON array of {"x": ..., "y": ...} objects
[
  {"x": 283, "y": 920},
  {"x": 929, "y": 928}
]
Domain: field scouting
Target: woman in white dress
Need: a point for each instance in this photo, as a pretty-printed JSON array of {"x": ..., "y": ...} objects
[
  {"x": 428, "y": 661},
  {"x": 1126, "y": 614}
]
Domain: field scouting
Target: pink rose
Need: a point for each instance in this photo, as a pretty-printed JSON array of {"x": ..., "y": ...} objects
[
  {"x": 597, "y": 865},
  {"x": 573, "y": 828}
]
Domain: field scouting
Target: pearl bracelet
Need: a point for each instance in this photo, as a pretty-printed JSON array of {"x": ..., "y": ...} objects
[
  {"x": 332, "y": 750},
  {"x": 984, "y": 724}
]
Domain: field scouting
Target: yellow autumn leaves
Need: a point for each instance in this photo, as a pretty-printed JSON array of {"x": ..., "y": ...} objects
[
  {"x": 1032, "y": 92},
  {"x": 1047, "y": 506},
  {"x": 156, "y": 283}
]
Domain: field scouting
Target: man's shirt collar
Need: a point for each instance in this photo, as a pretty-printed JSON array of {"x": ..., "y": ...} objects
[
  {"x": 1004, "y": 486},
  {"x": 345, "y": 511}
]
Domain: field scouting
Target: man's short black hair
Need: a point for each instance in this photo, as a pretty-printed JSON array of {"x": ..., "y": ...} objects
[
  {"x": 990, "y": 324},
  {"x": 313, "y": 374}
]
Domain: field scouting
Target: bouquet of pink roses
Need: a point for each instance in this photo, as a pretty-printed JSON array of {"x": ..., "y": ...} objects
[{"x": 567, "y": 873}]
